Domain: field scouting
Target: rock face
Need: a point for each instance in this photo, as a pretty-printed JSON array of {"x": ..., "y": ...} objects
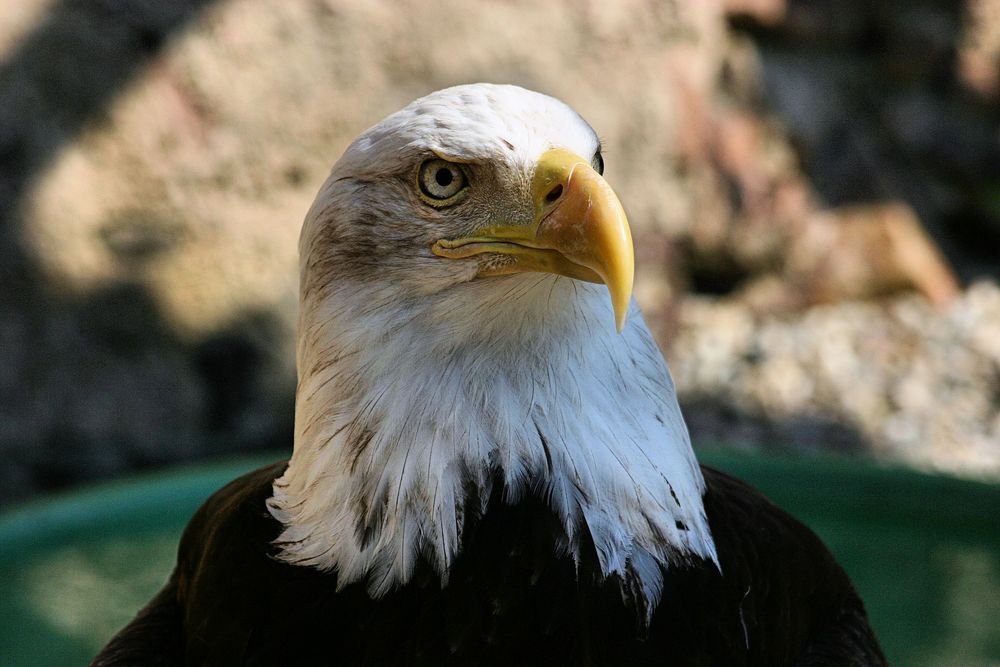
[
  {"x": 916, "y": 383},
  {"x": 156, "y": 160}
]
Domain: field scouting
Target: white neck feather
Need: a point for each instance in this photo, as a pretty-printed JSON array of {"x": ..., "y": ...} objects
[{"x": 400, "y": 410}]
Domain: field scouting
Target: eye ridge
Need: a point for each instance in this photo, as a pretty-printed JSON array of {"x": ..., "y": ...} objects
[{"x": 441, "y": 183}]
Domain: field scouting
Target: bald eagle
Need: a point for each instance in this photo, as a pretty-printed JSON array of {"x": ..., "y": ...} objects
[{"x": 489, "y": 464}]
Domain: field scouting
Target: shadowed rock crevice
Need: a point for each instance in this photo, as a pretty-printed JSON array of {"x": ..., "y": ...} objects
[
  {"x": 882, "y": 105},
  {"x": 717, "y": 422}
]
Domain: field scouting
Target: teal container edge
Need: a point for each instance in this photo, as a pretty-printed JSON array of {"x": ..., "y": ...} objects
[{"x": 118, "y": 505}]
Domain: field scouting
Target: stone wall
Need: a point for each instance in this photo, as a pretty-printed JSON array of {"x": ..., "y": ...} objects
[{"x": 798, "y": 174}]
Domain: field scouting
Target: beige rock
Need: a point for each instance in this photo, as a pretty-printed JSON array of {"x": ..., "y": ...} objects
[
  {"x": 197, "y": 180},
  {"x": 866, "y": 251},
  {"x": 177, "y": 204}
]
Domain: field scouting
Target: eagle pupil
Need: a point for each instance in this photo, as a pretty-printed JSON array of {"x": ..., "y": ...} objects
[{"x": 444, "y": 177}]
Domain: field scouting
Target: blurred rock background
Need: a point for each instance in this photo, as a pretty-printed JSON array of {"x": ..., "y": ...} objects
[{"x": 814, "y": 186}]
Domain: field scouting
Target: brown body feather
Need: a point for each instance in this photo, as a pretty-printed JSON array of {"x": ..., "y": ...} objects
[{"x": 510, "y": 598}]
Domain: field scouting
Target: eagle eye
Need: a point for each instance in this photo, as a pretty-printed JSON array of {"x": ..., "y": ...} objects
[
  {"x": 441, "y": 183},
  {"x": 598, "y": 162}
]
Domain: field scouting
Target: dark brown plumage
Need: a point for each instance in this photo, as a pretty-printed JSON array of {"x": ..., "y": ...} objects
[{"x": 781, "y": 599}]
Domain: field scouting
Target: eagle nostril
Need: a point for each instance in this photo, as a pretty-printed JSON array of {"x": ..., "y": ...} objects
[{"x": 554, "y": 194}]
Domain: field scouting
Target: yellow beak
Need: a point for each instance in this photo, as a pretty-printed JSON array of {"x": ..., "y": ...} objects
[{"x": 579, "y": 230}]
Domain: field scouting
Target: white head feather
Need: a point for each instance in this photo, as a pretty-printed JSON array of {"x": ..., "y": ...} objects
[{"x": 418, "y": 382}]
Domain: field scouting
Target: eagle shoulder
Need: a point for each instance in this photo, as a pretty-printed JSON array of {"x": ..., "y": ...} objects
[
  {"x": 784, "y": 582},
  {"x": 224, "y": 551}
]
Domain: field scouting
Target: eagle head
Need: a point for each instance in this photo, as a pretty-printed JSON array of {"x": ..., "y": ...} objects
[{"x": 498, "y": 180}]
